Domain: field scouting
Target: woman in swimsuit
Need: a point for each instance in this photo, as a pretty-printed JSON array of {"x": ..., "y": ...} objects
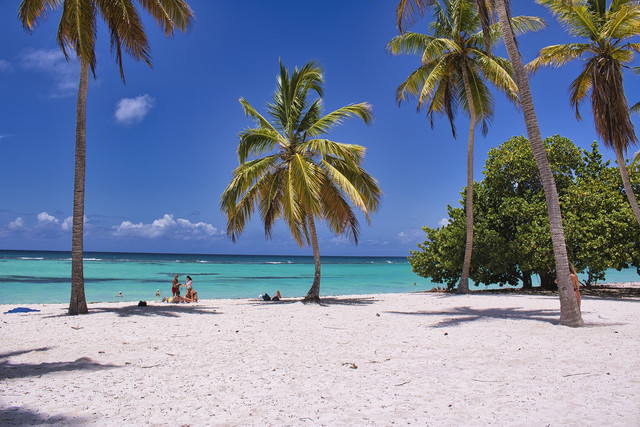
[
  {"x": 575, "y": 282},
  {"x": 188, "y": 284}
]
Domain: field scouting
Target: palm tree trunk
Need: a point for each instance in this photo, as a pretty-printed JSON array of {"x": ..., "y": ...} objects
[
  {"x": 314, "y": 293},
  {"x": 626, "y": 182},
  {"x": 569, "y": 311},
  {"x": 78, "y": 303},
  {"x": 463, "y": 285}
]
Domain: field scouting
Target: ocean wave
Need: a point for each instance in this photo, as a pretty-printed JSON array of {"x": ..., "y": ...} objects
[{"x": 29, "y": 258}]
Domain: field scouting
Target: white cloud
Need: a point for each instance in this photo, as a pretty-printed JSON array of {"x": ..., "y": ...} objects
[
  {"x": 444, "y": 222},
  {"x": 5, "y": 66},
  {"x": 45, "y": 219},
  {"x": 411, "y": 236},
  {"x": 133, "y": 110},
  {"x": 66, "y": 74},
  {"x": 166, "y": 226},
  {"x": 67, "y": 224},
  {"x": 16, "y": 224}
]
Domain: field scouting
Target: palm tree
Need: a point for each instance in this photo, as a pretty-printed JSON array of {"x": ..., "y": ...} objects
[
  {"x": 289, "y": 170},
  {"x": 77, "y": 32},
  {"x": 453, "y": 65},
  {"x": 409, "y": 10},
  {"x": 605, "y": 54}
]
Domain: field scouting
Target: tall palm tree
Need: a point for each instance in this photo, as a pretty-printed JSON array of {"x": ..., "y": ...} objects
[
  {"x": 453, "y": 71},
  {"x": 603, "y": 57},
  {"x": 289, "y": 170},
  {"x": 409, "y": 11},
  {"x": 77, "y": 31}
]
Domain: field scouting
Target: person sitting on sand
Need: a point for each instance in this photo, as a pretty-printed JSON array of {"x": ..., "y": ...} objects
[{"x": 176, "y": 299}]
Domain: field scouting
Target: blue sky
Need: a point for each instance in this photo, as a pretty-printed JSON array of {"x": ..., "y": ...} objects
[{"x": 161, "y": 148}]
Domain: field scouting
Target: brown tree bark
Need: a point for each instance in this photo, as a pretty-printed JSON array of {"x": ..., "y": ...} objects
[
  {"x": 569, "y": 311},
  {"x": 626, "y": 182},
  {"x": 463, "y": 284},
  {"x": 78, "y": 303},
  {"x": 314, "y": 292}
]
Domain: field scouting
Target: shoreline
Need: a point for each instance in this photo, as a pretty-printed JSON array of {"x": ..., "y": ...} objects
[
  {"x": 613, "y": 290},
  {"x": 378, "y": 359}
]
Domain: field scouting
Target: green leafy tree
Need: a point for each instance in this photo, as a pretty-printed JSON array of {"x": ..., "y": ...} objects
[
  {"x": 289, "y": 170},
  {"x": 601, "y": 230},
  {"x": 513, "y": 239},
  {"x": 77, "y": 32},
  {"x": 452, "y": 74},
  {"x": 605, "y": 54},
  {"x": 407, "y": 12}
]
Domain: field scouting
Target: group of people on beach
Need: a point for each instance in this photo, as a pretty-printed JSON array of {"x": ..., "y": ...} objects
[{"x": 190, "y": 294}]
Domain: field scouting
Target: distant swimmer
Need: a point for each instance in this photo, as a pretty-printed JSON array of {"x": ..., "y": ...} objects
[
  {"x": 119, "y": 294},
  {"x": 158, "y": 293}
]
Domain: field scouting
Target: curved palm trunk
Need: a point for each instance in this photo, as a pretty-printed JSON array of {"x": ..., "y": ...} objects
[
  {"x": 78, "y": 303},
  {"x": 314, "y": 293},
  {"x": 463, "y": 285},
  {"x": 569, "y": 311},
  {"x": 626, "y": 182}
]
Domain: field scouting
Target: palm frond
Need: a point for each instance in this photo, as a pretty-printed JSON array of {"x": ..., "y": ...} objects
[
  {"x": 409, "y": 11},
  {"x": 622, "y": 23},
  {"x": 413, "y": 43},
  {"x": 254, "y": 142},
  {"x": 558, "y": 55},
  {"x": 366, "y": 186},
  {"x": 125, "y": 29},
  {"x": 253, "y": 113},
  {"x": 336, "y": 117},
  {"x": 525, "y": 24},
  {"x": 499, "y": 73},
  {"x": 341, "y": 218},
  {"x": 33, "y": 12},
  {"x": 77, "y": 30},
  {"x": 325, "y": 147},
  {"x": 580, "y": 87},
  {"x": 169, "y": 14},
  {"x": 313, "y": 114}
]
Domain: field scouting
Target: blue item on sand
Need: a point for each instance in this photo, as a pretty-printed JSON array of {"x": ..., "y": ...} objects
[{"x": 20, "y": 310}]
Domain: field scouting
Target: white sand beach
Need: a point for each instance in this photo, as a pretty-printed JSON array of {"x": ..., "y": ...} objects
[{"x": 424, "y": 359}]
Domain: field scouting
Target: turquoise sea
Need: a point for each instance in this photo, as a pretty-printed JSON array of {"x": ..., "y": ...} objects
[{"x": 44, "y": 277}]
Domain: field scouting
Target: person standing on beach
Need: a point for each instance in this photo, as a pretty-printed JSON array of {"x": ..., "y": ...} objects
[
  {"x": 576, "y": 284},
  {"x": 175, "y": 286},
  {"x": 188, "y": 284}
]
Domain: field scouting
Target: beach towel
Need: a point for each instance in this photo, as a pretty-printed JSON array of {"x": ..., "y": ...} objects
[{"x": 20, "y": 310}]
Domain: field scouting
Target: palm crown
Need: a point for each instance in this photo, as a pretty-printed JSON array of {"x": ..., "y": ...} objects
[
  {"x": 605, "y": 52},
  {"x": 288, "y": 169},
  {"x": 457, "y": 43},
  {"x": 78, "y": 25}
]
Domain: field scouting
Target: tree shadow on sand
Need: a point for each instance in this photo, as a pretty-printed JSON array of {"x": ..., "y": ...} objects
[
  {"x": 458, "y": 315},
  {"x": 20, "y": 416},
  {"x": 24, "y": 370},
  {"x": 355, "y": 301},
  {"x": 162, "y": 310}
]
